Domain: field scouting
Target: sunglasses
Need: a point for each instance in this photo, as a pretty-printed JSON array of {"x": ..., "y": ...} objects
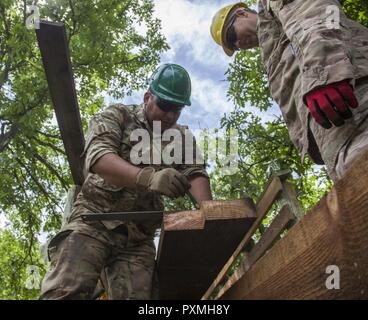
[
  {"x": 231, "y": 35},
  {"x": 168, "y": 107}
]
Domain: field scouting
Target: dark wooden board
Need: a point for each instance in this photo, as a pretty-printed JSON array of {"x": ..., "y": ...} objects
[{"x": 52, "y": 41}]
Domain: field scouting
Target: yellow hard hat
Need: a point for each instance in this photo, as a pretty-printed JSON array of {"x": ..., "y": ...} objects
[{"x": 218, "y": 31}]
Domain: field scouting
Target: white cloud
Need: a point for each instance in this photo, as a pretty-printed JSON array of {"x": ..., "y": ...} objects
[
  {"x": 210, "y": 95},
  {"x": 187, "y": 25},
  {"x": 3, "y": 221}
]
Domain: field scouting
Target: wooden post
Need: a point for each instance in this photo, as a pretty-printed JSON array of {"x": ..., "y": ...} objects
[{"x": 289, "y": 195}]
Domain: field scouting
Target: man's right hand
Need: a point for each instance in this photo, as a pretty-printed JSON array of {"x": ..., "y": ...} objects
[
  {"x": 330, "y": 105},
  {"x": 169, "y": 182}
]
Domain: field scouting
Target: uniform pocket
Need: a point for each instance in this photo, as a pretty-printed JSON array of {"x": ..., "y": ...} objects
[
  {"x": 360, "y": 61},
  {"x": 102, "y": 195},
  {"x": 361, "y": 91},
  {"x": 56, "y": 242}
]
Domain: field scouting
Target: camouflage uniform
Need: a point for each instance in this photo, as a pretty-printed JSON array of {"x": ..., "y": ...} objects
[
  {"x": 124, "y": 250},
  {"x": 300, "y": 53}
]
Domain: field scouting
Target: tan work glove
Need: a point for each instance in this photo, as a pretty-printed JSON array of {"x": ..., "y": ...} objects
[{"x": 168, "y": 182}]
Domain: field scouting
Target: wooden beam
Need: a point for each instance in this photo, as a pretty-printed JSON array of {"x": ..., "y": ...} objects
[
  {"x": 290, "y": 198},
  {"x": 284, "y": 219},
  {"x": 268, "y": 197},
  {"x": 194, "y": 245},
  {"x": 53, "y": 44},
  {"x": 333, "y": 233}
]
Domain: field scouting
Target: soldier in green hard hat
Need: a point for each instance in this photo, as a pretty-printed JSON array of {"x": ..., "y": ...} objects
[{"x": 124, "y": 251}]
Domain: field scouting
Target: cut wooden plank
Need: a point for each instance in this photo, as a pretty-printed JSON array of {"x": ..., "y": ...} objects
[
  {"x": 268, "y": 197},
  {"x": 227, "y": 209},
  {"x": 284, "y": 219},
  {"x": 52, "y": 41},
  {"x": 334, "y": 233},
  {"x": 184, "y": 220},
  {"x": 194, "y": 245}
]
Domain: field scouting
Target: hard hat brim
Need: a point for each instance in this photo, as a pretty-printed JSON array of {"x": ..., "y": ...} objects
[{"x": 224, "y": 43}]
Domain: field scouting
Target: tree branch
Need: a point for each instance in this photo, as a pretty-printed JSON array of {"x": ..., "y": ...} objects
[
  {"x": 7, "y": 137},
  {"x": 52, "y": 170},
  {"x": 24, "y": 12},
  {"x": 24, "y": 166},
  {"x": 47, "y": 165},
  {"x": 48, "y": 135},
  {"x": 4, "y": 75},
  {"x": 47, "y": 144},
  {"x": 29, "y": 220}
]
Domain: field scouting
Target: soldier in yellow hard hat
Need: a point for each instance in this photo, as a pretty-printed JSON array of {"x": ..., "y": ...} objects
[
  {"x": 223, "y": 28},
  {"x": 316, "y": 61}
]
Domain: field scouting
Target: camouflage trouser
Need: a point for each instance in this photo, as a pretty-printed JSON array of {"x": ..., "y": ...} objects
[
  {"x": 78, "y": 258},
  {"x": 359, "y": 140}
]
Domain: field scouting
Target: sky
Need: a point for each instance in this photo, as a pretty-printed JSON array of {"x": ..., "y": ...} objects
[
  {"x": 3, "y": 221},
  {"x": 186, "y": 26}
]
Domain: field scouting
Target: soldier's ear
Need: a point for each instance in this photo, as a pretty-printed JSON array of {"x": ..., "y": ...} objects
[
  {"x": 146, "y": 97},
  {"x": 241, "y": 12}
]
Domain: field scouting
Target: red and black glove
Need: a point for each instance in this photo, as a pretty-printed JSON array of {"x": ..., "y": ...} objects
[{"x": 331, "y": 104}]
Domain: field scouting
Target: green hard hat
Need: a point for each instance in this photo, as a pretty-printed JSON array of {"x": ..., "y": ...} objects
[{"x": 171, "y": 83}]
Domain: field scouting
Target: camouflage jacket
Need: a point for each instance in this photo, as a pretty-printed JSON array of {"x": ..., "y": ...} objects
[
  {"x": 110, "y": 132},
  {"x": 302, "y": 52}
]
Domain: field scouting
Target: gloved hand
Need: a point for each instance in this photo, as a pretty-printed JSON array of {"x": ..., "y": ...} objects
[
  {"x": 169, "y": 182},
  {"x": 330, "y": 104}
]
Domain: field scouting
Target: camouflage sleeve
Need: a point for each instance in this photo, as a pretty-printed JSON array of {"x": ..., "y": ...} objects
[
  {"x": 103, "y": 136},
  {"x": 319, "y": 36},
  {"x": 193, "y": 163}
]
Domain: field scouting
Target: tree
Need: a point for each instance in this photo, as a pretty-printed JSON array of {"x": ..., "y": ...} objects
[
  {"x": 21, "y": 269},
  {"x": 114, "y": 44},
  {"x": 356, "y": 10}
]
